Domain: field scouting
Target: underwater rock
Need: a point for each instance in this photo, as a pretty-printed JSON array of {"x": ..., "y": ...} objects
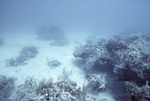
[{"x": 53, "y": 63}]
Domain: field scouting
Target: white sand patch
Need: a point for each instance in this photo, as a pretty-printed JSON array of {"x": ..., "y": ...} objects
[{"x": 37, "y": 67}]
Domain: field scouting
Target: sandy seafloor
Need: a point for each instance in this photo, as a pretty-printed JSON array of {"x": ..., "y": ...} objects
[{"x": 37, "y": 67}]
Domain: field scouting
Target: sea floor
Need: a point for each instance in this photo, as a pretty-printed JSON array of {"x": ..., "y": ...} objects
[{"x": 37, "y": 67}]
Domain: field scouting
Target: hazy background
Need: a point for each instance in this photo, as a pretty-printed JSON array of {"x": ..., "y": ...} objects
[{"x": 91, "y": 16}]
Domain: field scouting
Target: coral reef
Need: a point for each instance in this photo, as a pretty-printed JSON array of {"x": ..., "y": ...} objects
[
  {"x": 93, "y": 53},
  {"x": 63, "y": 91},
  {"x": 49, "y": 91},
  {"x": 139, "y": 93},
  {"x": 25, "y": 54},
  {"x": 126, "y": 57}
]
